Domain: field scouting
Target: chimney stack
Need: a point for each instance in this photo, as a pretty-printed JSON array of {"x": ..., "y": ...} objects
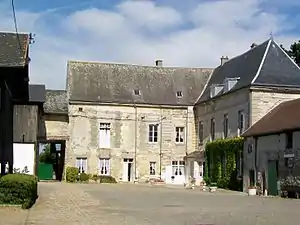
[
  {"x": 224, "y": 59},
  {"x": 159, "y": 62}
]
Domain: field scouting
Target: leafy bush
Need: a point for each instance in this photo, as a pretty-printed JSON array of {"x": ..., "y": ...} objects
[
  {"x": 95, "y": 177},
  {"x": 83, "y": 177},
  {"x": 72, "y": 174},
  {"x": 18, "y": 189},
  {"x": 221, "y": 159},
  {"x": 107, "y": 179}
]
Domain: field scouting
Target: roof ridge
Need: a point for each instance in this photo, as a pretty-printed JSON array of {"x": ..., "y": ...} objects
[
  {"x": 136, "y": 65},
  {"x": 262, "y": 62}
]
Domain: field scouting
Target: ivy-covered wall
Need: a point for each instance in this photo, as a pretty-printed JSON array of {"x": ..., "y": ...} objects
[{"x": 221, "y": 163}]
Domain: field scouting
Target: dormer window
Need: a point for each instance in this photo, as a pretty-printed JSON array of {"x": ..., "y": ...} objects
[
  {"x": 179, "y": 94},
  {"x": 137, "y": 92},
  {"x": 215, "y": 89},
  {"x": 229, "y": 83}
]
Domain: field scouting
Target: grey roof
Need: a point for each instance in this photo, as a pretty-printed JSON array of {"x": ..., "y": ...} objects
[
  {"x": 115, "y": 83},
  {"x": 11, "y": 53},
  {"x": 265, "y": 65},
  {"x": 37, "y": 93},
  {"x": 56, "y": 102}
]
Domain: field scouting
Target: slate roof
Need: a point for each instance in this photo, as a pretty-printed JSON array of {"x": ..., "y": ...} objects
[
  {"x": 282, "y": 118},
  {"x": 11, "y": 54},
  {"x": 115, "y": 83},
  {"x": 37, "y": 93},
  {"x": 56, "y": 102},
  {"x": 264, "y": 65}
]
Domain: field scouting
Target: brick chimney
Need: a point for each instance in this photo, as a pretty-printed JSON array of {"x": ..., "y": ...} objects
[
  {"x": 159, "y": 62},
  {"x": 224, "y": 59}
]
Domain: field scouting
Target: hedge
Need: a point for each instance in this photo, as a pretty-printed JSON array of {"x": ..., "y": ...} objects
[
  {"x": 18, "y": 189},
  {"x": 72, "y": 174},
  {"x": 220, "y": 163}
]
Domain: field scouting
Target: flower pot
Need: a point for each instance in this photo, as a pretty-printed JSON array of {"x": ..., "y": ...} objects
[
  {"x": 212, "y": 189},
  {"x": 252, "y": 191}
]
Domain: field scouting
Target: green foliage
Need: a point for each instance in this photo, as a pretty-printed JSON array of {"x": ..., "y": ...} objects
[
  {"x": 294, "y": 51},
  {"x": 18, "y": 189},
  {"x": 72, "y": 174},
  {"x": 83, "y": 177},
  {"x": 46, "y": 156},
  {"x": 220, "y": 165},
  {"x": 107, "y": 179},
  {"x": 95, "y": 177}
]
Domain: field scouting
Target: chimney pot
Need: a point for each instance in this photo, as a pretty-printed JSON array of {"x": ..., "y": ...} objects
[
  {"x": 224, "y": 59},
  {"x": 159, "y": 62}
]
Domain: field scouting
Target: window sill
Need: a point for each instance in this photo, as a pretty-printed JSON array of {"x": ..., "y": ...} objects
[{"x": 179, "y": 143}]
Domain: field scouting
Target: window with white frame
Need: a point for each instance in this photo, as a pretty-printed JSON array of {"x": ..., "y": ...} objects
[
  {"x": 212, "y": 128},
  {"x": 241, "y": 122},
  {"x": 81, "y": 164},
  {"x": 104, "y": 166},
  {"x": 153, "y": 133},
  {"x": 179, "y": 134},
  {"x": 104, "y": 135},
  {"x": 200, "y": 132},
  {"x": 225, "y": 126},
  {"x": 152, "y": 168},
  {"x": 177, "y": 168}
]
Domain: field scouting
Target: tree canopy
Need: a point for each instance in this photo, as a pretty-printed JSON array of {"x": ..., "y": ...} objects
[
  {"x": 294, "y": 51},
  {"x": 46, "y": 156}
]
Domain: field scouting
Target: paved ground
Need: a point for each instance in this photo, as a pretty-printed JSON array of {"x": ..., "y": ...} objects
[{"x": 86, "y": 204}]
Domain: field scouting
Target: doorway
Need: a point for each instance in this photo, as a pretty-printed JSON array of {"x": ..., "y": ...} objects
[
  {"x": 272, "y": 177},
  {"x": 127, "y": 170}
]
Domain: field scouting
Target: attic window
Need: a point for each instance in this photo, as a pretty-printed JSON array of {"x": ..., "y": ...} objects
[
  {"x": 137, "y": 92},
  {"x": 179, "y": 94}
]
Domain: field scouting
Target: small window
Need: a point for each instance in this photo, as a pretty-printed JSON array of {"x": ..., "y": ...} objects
[
  {"x": 153, "y": 133},
  {"x": 179, "y": 134},
  {"x": 225, "y": 124},
  {"x": 179, "y": 94},
  {"x": 241, "y": 121},
  {"x": 200, "y": 133},
  {"x": 81, "y": 164},
  {"x": 80, "y": 109},
  {"x": 212, "y": 128},
  {"x": 289, "y": 140},
  {"x": 104, "y": 166},
  {"x": 152, "y": 168},
  {"x": 137, "y": 92}
]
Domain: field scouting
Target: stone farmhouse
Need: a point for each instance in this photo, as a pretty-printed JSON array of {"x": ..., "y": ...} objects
[{"x": 139, "y": 122}]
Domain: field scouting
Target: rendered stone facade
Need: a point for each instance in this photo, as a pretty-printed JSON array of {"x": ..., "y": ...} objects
[{"x": 129, "y": 129}]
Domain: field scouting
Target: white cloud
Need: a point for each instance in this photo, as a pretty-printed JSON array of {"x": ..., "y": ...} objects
[{"x": 141, "y": 31}]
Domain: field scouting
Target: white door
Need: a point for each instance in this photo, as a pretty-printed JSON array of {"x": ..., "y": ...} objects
[
  {"x": 125, "y": 172},
  {"x": 178, "y": 172}
]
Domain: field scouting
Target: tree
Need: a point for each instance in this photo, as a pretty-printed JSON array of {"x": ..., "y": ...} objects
[
  {"x": 294, "y": 52},
  {"x": 46, "y": 156}
]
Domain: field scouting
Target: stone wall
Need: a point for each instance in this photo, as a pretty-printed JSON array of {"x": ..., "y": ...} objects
[
  {"x": 84, "y": 136},
  {"x": 263, "y": 101},
  {"x": 228, "y": 104},
  {"x": 272, "y": 147},
  {"x": 56, "y": 127}
]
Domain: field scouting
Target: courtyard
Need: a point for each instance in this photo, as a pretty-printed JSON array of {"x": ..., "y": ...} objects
[{"x": 113, "y": 204}]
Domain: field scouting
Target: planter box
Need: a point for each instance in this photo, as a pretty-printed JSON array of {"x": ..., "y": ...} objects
[{"x": 252, "y": 191}]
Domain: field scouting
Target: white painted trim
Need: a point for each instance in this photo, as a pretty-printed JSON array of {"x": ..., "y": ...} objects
[
  {"x": 205, "y": 86},
  {"x": 287, "y": 55},
  {"x": 262, "y": 62}
]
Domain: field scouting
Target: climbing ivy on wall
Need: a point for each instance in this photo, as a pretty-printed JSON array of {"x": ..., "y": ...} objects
[{"x": 220, "y": 162}]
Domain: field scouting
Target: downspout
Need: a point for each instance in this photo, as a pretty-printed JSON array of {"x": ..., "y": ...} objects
[
  {"x": 160, "y": 144},
  {"x": 255, "y": 160},
  {"x": 135, "y": 142}
]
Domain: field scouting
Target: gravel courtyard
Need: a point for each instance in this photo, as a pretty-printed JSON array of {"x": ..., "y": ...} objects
[{"x": 115, "y": 204}]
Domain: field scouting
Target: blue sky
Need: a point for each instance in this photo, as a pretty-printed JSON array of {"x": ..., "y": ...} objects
[{"x": 192, "y": 33}]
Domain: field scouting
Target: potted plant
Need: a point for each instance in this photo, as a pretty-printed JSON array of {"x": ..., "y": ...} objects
[
  {"x": 213, "y": 187},
  {"x": 252, "y": 190}
]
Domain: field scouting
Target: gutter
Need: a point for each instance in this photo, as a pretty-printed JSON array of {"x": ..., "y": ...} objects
[{"x": 160, "y": 145}]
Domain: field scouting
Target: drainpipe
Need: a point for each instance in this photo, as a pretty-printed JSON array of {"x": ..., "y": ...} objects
[
  {"x": 160, "y": 144},
  {"x": 255, "y": 160},
  {"x": 135, "y": 141}
]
